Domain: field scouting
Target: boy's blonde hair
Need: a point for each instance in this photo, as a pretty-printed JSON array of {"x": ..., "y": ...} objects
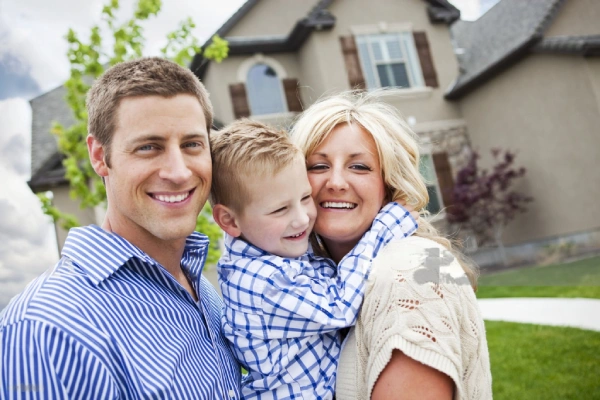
[
  {"x": 397, "y": 149},
  {"x": 244, "y": 152}
]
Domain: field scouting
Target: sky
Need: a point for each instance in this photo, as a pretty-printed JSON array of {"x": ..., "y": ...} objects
[{"x": 33, "y": 61}]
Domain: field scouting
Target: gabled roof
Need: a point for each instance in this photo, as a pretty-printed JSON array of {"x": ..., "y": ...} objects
[
  {"x": 498, "y": 39},
  {"x": 318, "y": 18}
]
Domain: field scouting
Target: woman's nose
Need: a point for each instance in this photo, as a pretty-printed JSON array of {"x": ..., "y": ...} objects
[{"x": 337, "y": 181}]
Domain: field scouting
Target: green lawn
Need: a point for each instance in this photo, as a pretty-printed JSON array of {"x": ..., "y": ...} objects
[
  {"x": 577, "y": 279},
  {"x": 542, "y": 362}
]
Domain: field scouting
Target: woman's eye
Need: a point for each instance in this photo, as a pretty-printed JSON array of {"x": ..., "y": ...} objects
[
  {"x": 361, "y": 167},
  {"x": 316, "y": 167}
]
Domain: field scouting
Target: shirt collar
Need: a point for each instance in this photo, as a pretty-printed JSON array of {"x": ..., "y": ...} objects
[{"x": 101, "y": 253}]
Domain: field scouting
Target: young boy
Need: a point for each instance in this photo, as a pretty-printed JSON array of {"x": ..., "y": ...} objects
[{"x": 283, "y": 306}]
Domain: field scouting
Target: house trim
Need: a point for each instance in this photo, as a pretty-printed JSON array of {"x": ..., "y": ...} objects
[{"x": 259, "y": 58}]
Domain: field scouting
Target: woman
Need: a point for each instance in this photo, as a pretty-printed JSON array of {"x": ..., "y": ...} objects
[{"x": 420, "y": 334}]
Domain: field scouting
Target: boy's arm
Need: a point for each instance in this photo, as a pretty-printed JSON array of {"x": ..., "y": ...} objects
[
  {"x": 43, "y": 362},
  {"x": 296, "y": 305}
]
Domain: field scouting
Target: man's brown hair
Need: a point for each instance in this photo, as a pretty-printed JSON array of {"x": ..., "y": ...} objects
[
  {"x": 244, "y": 152},
  {"x": 151, "y": 76}
]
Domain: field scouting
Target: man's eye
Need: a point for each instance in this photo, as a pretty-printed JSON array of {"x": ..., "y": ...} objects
[
  {"x": 146, "y": 147},
  {"x": 192, "y": 144}
]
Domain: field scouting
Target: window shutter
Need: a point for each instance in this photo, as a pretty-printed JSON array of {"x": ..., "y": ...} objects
[
  {"x": 292, "y": 94},
  {"x": 443, "y": 170},
  {"x": 239, "y": 100},
  {"x": 425, "y": 58},
  {"x": 355, "y": 75}
]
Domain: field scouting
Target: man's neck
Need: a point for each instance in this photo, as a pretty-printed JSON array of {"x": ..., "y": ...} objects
[{"x": 166, "y": 253}]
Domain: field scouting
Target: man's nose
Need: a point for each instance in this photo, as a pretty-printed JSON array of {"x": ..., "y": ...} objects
[{"x": 175, "y": 168}]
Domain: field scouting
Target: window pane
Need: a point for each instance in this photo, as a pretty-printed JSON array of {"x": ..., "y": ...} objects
[
  {"x": 385, "y": 76},
  {"x": 394, "y": 50},
  {"x": 377, "y": 53},
  {"x": 400, "y": 75},
  {"x": 434, "y": 202},
  {"x": 413, "y": 59},
  {"x": 264, "y": 91},
  {"x": 367, "y": 64},
  {"x": 428, "y": 172}
]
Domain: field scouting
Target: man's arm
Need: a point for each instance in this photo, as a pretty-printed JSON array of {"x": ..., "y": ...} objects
[{"x": 40, "y": 361}]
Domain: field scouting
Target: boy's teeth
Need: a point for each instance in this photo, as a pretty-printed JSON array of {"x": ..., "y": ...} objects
[
  {"x": 331, "y": 204},
  {"x": 172, "y": 199}
]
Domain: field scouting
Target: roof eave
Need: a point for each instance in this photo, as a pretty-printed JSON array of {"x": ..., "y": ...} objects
[{"x": 504, "y": 63}]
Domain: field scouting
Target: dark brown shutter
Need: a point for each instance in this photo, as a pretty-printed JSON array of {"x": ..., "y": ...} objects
[
  {"x": 443, "y": 170},
  {"x": 239, "y": 100},
  {"x": 355, "y": 75},
  {"x": 292, "y": 94},
  {"x": 425, "y": 58}
]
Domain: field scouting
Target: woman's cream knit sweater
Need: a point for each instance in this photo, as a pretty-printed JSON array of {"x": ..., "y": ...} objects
[{"x": 419, "y": 301}]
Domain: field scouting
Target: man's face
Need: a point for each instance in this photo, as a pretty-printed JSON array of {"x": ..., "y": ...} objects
[{"x": 160, "y": 171}]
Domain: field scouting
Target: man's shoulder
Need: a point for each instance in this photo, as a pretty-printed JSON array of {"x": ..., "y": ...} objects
[{"x": 61, "y": 288}]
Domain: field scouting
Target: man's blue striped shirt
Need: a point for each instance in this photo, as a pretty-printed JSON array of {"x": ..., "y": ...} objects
[{"x": 109, "y": 322}]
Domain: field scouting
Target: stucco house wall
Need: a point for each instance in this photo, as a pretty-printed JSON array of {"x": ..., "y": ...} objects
[{"x": 552, "y": 122}]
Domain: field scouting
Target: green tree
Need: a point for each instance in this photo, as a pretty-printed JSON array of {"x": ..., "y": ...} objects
[{"x": 88, "y": 60}]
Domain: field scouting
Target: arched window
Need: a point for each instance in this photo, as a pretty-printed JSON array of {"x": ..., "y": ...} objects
[{"x": 265, "y": 92}]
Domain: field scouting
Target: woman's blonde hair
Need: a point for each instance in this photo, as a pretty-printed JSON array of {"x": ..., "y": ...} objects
[{"x": 397, "y": 148}]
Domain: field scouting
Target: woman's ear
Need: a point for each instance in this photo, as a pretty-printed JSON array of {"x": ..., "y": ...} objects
[{"x": 226, "y": 218}]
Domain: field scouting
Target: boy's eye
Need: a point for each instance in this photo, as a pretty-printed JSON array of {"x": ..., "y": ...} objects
[
  {"x": 279, "y": 210},
  {"x": 306, "y": 198}
]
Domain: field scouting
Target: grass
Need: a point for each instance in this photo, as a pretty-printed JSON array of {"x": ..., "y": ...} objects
[
  {"x": 577, "y": 279},
  {"x": 542, "y": 362}
]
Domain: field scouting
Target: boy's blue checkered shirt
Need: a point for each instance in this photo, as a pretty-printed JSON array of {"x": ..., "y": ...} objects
[{"x": 282, "y": 315}]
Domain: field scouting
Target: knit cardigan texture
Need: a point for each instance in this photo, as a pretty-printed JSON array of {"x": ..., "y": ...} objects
[{"x": 419, "y": 301}]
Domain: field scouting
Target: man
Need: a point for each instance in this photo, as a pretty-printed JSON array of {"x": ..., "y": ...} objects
[{"x": 126, "y": 312}]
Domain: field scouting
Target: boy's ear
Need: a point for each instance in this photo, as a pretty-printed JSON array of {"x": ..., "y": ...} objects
[
  {"x": 96, "y": 151},
  {"x": 226, "y": 219}
]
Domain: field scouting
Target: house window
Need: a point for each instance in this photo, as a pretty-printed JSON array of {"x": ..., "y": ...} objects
[
  {"x": 427, "y": 169},
  {"x": 265, "y": 92},
  {"x": 390, "y": 60}
]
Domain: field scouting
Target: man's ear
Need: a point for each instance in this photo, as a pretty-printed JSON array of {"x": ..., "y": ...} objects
[
  {"x": 226, "y": 219},
  {"x": 96, "y": 152}
]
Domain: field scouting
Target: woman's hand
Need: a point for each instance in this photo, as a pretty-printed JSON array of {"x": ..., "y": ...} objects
[{"x": 405, "y": 378}]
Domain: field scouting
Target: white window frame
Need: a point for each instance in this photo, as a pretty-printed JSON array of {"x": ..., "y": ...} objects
[
  {"x": 403, "y": 32},
  {"x": 259, "y": 58}
]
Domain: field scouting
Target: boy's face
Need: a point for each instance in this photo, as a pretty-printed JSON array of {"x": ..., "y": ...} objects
[{"x": 280, "y": 213}]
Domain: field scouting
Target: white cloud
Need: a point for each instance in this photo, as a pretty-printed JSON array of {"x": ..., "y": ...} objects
[{"x": 27, "y": 241}]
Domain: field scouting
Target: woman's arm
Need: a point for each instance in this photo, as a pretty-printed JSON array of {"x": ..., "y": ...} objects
[{"x": 406, "y": 379}]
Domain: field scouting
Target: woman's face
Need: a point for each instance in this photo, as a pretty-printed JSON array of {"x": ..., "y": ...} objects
[{"x": 347, "y": 185}]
